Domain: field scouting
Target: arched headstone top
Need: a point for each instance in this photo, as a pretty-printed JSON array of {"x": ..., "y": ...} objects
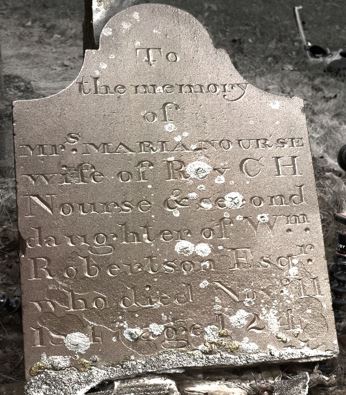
[{"x": 143, "y": 39}]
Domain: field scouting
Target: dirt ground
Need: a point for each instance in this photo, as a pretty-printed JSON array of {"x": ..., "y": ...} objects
[{"x": 41, "y": 43}]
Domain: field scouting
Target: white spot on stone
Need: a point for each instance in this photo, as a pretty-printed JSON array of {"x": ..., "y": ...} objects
[
  {"x": 239, "y": 217},
  {"x": 226, "y": 214},
  {"x": 192, "y": 195},
  {"x": 56, "y": 362},
  {"x": 77, "y": 342},
  {"x": 263, "y": 218},
  {"x": 234, "y": 200},
  {"x": 251, "y": 122},
  {"x": 281, "y": 336},
  {"x": 156, "y": 31},
  {"x": 193, "y": 146},
  {"x": 295, "y": 261},
  {"x": 126, "y": 25},
  {"x": 96, "y": 73},
  {"x": 248, "y": 302},
  {"x": 206, "y": 205},
  {"x": 202, "y": 249},
  {"x": 220, "y": 247},
  {"x": 184, "y": 247},
  {"x": 211, "y": 333},
  {"x": 205, "y": 265},
  {"x": 111, "y": 56},
  {"x": 156, "y": 329},
  {"x": 204, "y": 284},
  {"x": 217, "y": 308},
  {"x": 171, "y": 158},
  {"x": 132, "y": 334},
  {"x": 220, "y": 179},
  {"x": 198, "y": 169},
  {"x": 137, "y": 43},
  {"x": 178, "y": 138},
  {"x": 271, "y": 317},
  {"x": 136, "y": 16},
  {"x": 248, "y": 346},
  {"x": 159, "y": 89},
  {"x": 107, "y": 31},
  {"x": 150, "y": 186},
  {"x": 185, "y": 134},
  {"x": 170, "y": 127},
  {"x": 201, "y": 187},
  {"x": 275, "y": 104},
  {"x": 239, "y": 319},
  {"x": 103, "y": 65},
  {"x": 293, "y": 271},
  {"x": 176, "y": 212}
]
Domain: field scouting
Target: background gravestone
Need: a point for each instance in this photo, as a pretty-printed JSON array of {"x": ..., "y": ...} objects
[{"x": 168, "y": 210}]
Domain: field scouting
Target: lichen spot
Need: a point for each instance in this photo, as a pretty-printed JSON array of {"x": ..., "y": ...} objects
[
  {"x": 247, "y": 346},
  {"x": 132, "y": 334},
  {"x": 77, "y": 342},
  {"x": 234, "y": 200},
  {"x": 136, "y": 16},
  {"x": 192, "y": 195},
  {"x": 107, "y": 31},
  {"x": 263, "y": 218},
  {"x": 170, "y": 127},
  {"x": 239, "y": 319},
  {"x": 176, "y": 213},
  {"x": 204, "y": 284},
  {"x": 206, "y": 205},
  {"x": 275, "y": 104},
  {"x": 184, "y": 247},
  {"x": 156, "y": 329},
  {"x": 211, "y": 333},
  {"x": 293, "y": 271},
  {"x": 126, "y": 25},
  {"x": 220, "y": 179},
  {"x": 202, "y": 249},
  {"x": 198, "y": 169}
]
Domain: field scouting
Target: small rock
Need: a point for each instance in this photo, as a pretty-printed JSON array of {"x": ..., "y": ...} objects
[{"x": 298, "y": 385}]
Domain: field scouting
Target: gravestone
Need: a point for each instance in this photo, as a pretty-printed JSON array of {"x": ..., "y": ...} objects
[{"x": 167, "y": 211}]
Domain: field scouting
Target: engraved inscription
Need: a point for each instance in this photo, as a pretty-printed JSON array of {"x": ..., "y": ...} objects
[{"x": 167, "y": 209}]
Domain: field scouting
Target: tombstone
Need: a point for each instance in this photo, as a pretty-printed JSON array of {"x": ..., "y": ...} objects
[{"x": 168, "y": 212}]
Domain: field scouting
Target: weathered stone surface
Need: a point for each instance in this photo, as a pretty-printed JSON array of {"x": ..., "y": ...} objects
[
  {"x": 150, "y": 385},
  {"x": 168, "y": 211},
  {"x": 214, "y": 388}
]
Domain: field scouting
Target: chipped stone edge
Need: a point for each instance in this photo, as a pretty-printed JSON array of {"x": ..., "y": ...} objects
[{"x": 70, "y": 381}]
